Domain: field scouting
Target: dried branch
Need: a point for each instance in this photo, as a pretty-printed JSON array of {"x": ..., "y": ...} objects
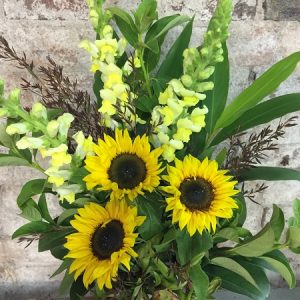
[
  {"x": 56, "y": 90},
  {"x": 246, "y": 152},
  {"x": 251, "y": 194}
]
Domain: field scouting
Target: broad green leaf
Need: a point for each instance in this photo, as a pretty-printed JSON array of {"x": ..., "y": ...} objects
[
  {"x": 153, "y": 210},
  {"x": 66, "y": 283},
  {"x": 242, "y": 210},
  {"x": 145, "y": 14},
  {"x": 220, "y": 158},
  {"x": 216, "y": 98},
  {"x": 232, "y": 265},
  {"x": 277, "y": 262},
  {"x": 29, "y": 189},
  {"x": 10, "y": 160},
  {"x": 97, "y": 86},
  {"x": 78, "y": 175},
  {"x": 277, "y": 221},
  {"x": 262, "y": 87},
  {"x": 258, "y": 273},
  {"x": 66, "y": 214},
  {"x": 146, "y": 104},
  {"x": 77, "y": 290},
  {"x": 233, "y": 282},
  {"x": 293, "y": 237},
  {"x": 295, "y": 220},
  {"x": 269, "y": 173},
  {"x": 59, "y": 252},
  {"x": 5, "y": 139},
  {"x": 32, "y": 228},
  {"x": 31, "y": 213},
  {"x": 125, "y": 24},
  {"x": 228, "y": 233},
  {"x": 257, "y": 245},
  {"x": 168, "y": 68},
  {"x": 200, "y": 281},
  {"x": 64, "y": 265},
  {"x": 169, "y": 237},
  {"x": 53, "y": 239},
  {"x": 189, "y": 247},
  {"x": 43, "y": 207},
  {"x": 260, "y": 114}
]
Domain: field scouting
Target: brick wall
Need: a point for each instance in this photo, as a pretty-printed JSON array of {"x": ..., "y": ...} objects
[{"x": 262, "y": 33}]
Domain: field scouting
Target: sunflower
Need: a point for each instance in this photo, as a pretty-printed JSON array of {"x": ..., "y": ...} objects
[
  {"x": 104, "y": 240},
  {"x": 200, "y": 194},
  {"x": 124, "y": 167}
]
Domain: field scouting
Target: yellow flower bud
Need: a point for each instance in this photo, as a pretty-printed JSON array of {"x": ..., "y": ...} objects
[
  {"x": 52, "y": 128},
  {"x": 39, "y": 111}
]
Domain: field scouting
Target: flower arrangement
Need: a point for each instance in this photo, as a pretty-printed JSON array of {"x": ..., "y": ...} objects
[{"x": 150, "y": 176}]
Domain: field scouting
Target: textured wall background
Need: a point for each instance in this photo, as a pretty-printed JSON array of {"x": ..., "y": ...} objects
[{"x": 262, "y": 33}]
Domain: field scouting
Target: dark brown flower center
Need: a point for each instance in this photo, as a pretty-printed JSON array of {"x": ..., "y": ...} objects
[
  {"x": 127, "y": 170},
  {"x": 107, "y": 240},
  {"x": 196, "y": 194}
]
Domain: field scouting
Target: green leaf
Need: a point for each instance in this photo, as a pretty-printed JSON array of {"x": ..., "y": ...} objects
[
  {"x": 65, "y": 265},
  {"x": 228, "y": 234},
  {"x": 168, "y": 68},
  {"x": 32, "y": 228},
  {"x": 189, "y": 247},
  {"x": 262, "y": 87},
  {"x": 295, "y": 221},
  {"x": 216, "y": 98},
  {"x": 152, "y": 209},
  {"x": 66, "y": 214},
  {"x": 260, "y": 114},
  {"x": 277, "y": 222},
  {"x": 257, "y": 245},
  {"x": 169, "y": 237},
  {"x": 242, "y": 210},
  {"x": 10, "y": 160},
  {"x": 78, "y": 175},
  {"x": 145, "y": 103},
  {"x": 200, "y": 281},
  {"x": 53, "y": 239},
  {"x": 233, "y": 282},
  {"x": 125, "y": 24},
  {"x": 293, "y": 237},
  {"x": 277, "y": 262},
  {"x": 66, "y": 283},
  {"x": 43, "y": 207},
  {"x": 29, "y": 189},
  {"x": 233, "y": 266},
  {"x": 77, "y": 290},
  {"x": 221, "y": 156},
  {"x": 31, "y": 213},
  {"x": 145, "y": 14},
  {"x": 5, "y": 139},
  {"x": 97, "y": 86},
  {"x": 270, "y": 174},
  {"x": 59, "y": 252}
]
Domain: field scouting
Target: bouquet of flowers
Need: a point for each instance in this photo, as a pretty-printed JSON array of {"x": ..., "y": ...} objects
[{"x": 150, "y": 175}]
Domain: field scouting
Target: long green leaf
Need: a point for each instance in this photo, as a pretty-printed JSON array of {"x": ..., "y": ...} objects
[
  {"x": 262, "y": 87},
  {"x": 277, "y": 262},
  {"x": 233, "y": 282},
  {"x": 232, "y": 265},
  {"x": 7, "y": 160},
  {"x": 168, "y": 68},
  {"x": 270, "y": 173},
  {"x": 31, "y": 228},
  {"x": 216, "y": 99},
  {"x": 260, "y": 114},
  {"x": 200, "y": 282}
]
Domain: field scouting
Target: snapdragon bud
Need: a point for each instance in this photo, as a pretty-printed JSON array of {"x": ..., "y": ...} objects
[
  {"x": 17, "y": 128},
  {"x": 14, "y": 97},
  {"x": 204, "y": 86},
  {"x": 39, "y": 111},
  {"x": 206, "y": 73},
  {"x": 27, "y": 142},
  {"x": 107, "y": 32},
  {"x": 52, "y": 128},
  {"x": 187, "y": 80}
]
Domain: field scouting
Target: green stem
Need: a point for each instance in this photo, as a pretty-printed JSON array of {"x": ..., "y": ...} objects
[{"x": 145, "y": 72}]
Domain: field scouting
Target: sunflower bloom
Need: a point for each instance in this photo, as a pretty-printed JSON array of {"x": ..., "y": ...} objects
[
  {"x": 199, "y": 194},
  {"x": 104, "y": 239},
  {"x": 123, "y": 166}
]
